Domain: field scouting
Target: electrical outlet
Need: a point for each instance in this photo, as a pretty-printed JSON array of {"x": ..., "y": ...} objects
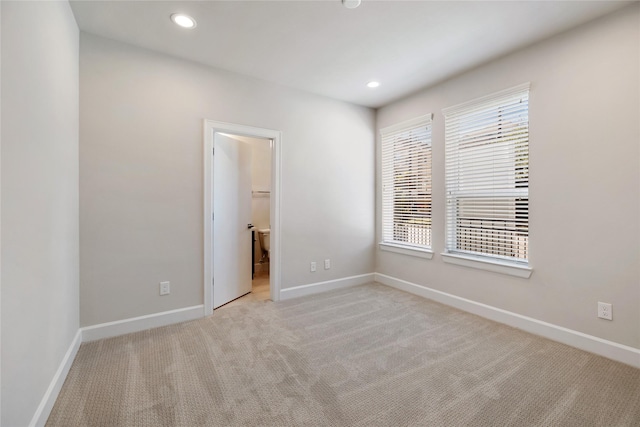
[
  {"x": 605, "y": 311},
  {"x": 313, "y": 266},
  {"x": 327, "y": 264},
  {"x": 165, "y": 288}
]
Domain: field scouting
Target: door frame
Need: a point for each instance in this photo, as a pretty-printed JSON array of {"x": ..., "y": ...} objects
[{"x": 212, "y": 127}]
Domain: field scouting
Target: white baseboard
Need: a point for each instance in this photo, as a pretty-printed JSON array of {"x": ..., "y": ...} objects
[
  {"x": 136, "y": 324},
  {"x": 314, "y": 288},
  {"x": 599, "y": 346},
  {"x": 50, "y": 396}
]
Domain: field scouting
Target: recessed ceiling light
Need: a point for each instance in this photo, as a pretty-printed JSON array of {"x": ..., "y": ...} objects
[
  {"x": 185, "y": 21},
  {"x": 351, "y": 4},
  {"x": 373, "y": 84}
]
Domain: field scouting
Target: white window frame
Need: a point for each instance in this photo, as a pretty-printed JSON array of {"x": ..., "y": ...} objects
[
  {"x": 456, "y": 167},
  {"x": 423, "y": 125}
]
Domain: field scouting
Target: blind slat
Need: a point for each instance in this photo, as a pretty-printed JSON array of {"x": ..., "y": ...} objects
[
  {"x": 487, "y": 176},
  {"x": 406, "y": 183}
]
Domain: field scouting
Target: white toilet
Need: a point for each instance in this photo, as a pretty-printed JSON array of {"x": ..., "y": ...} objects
[{"x": 263, "y": 236}]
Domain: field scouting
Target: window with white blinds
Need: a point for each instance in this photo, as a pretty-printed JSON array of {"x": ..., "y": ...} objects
[
  {"x": 487, "y": 176},
  {"x": 406, "y": 183}
]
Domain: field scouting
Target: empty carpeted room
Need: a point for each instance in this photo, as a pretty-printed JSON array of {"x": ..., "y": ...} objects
[{"x": 319, "y": 213}]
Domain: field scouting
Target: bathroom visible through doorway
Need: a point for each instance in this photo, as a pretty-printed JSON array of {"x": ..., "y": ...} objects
[
  {"x": 242, "y": 206},
  {"x": 240, "y": 237},
  {"x": 260, "y": 215}
]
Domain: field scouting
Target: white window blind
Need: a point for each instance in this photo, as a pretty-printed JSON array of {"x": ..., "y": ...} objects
[
  {"x": 487, "y": 176},
  {"x": 406, "y": 183}
]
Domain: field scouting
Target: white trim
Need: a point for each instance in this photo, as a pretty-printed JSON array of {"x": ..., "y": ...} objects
[
  {"x": 523, "y": 87},
  {"x": 329, "y": 285},
  {"x": 424, "y": 120},
  {"x": 141, "y": 323},
  {"x": 612, "y": 350},
  {"x": 106, "y": 330},
  {"x": 49, "y": 399},
  {"x": 406, "y": 250},
  {"x": 210, "y": 128},
  {"x": 488, "y": 264}
]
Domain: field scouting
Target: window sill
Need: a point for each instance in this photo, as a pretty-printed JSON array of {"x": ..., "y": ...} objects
[
  {"x": 496, "y": 266},
  {"x": 406, "y": 250}
]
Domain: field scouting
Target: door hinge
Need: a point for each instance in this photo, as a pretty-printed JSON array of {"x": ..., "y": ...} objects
[
  {"x": 212, "y": 216},
  {"x": 213, "y": 151}
]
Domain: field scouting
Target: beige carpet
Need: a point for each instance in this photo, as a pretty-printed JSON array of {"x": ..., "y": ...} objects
[
  {"x": 364, "y": 356},
  {"x": 260, "y": 291}
]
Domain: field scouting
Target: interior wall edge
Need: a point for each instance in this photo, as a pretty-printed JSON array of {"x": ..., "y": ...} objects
[
  {"x": 584, "y": 194},
  {"x": 141, "y": 323},
  {"x": 324, "y": 286},
  {"x": 609, "y": 349},
  {"x": 49, "y": 399}
]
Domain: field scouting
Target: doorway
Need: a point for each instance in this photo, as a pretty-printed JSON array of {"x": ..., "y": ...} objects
[{"x": 241, "y": 194}]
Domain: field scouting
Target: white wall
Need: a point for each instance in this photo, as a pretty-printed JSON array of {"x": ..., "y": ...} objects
[
  {"x": 141, "y": 177},
  {"x": 584, "y": 180},
  {"x": 39, "y": 200}
]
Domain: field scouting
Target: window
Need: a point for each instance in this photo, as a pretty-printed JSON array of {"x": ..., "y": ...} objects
[
  {"x": 406, "y": 184},
  {"x": 487, "y": 177}
]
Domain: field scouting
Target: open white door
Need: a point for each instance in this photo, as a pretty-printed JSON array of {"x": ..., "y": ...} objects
[
  {"x": 232, "y": 218},
  {"x": 211, "y": 129}
]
